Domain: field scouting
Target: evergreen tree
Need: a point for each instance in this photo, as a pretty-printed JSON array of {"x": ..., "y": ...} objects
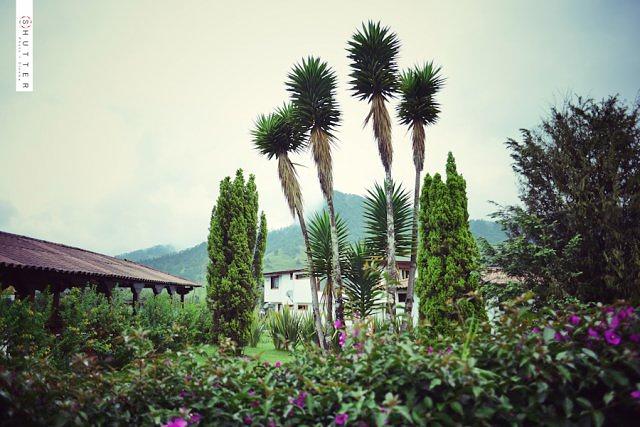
[
  {"x": 258, "y": 256},
  {"x": 447, "y": 256},
  {"x": 231, "y": 280}
]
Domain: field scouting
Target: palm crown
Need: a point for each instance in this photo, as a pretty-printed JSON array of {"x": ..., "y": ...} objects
[
  {"x": 279, "y": 133},
  {"x": 312, "y": 85},
  {"x": 418, "y": 87},
  {"x": 373, "y": 51}
]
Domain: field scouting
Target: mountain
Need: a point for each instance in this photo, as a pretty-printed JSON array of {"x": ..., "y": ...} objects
[
  {"x": 285, "y": 248},
  {"x": 148, "y": 253}
]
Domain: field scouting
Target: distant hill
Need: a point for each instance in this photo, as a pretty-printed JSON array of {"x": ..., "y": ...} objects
[
  {"x": 285, "y": 248},
  {"x": 148, "y": 253}
]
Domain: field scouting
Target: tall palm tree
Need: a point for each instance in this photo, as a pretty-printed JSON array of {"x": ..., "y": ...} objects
[
  {"x": 417, "y": 109},
  {"x": 277, "y": 135},
  {"x": 312, "y": 84},
  {"x": 363, "y": 286},
  {"x": 373, "y": 52},
  {"x": 322, "y": 253}
]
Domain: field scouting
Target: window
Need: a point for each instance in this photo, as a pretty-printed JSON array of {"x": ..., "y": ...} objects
[
  {"x": 402, "y": 297},
  {"x": 405, "y": 274},
  {"x": 275, "y": 282},
  {"x": 301, "y": 276},
  {"x": 303, "y": 307}
]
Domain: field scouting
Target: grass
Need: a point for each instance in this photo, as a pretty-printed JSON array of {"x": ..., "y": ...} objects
[{"x": 265, "y": 351}]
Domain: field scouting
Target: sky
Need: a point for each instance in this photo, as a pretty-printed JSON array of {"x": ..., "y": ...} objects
[{"x": 141, "y": 107}]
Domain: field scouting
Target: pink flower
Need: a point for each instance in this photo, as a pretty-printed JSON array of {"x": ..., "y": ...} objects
[
  {"x": 593, "y": 334},
  {"x": 338, "y": 324},
  {"x": 614, "y": 322},
  {"x": 176, "y": 422},
  {"x": 430, "y": 350},
  {"x": 626, "y": 312},
  {"x": 271, "y": 423},
  {"x": 278, "y": 364},
  {"x": 342, "y": 339},
  {"x": 635, "y": 394},
  {"x": 300, "y": 400},
  {"x": 195, "y": 418},
  {"x": 574, "y": 320},
  {"x": 248, "y": 420},
  {"x": 635, "y": 337},
  {"x": 341, "y": 419},
  {"x": 611, "y": 337},
  {"x": 251, "y": 392},
  {"x": 535, "y": 330}
]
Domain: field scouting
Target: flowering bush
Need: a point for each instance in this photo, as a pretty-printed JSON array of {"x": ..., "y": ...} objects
[{"x": 544, "y": 368}]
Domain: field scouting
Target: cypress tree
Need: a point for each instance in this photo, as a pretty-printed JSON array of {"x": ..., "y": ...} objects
[
  {"x": 447, "y": 255},
  {"x": 231, "y": 279}
]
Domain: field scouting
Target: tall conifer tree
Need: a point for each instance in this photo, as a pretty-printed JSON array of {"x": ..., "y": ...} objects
[
  {"x": 447, "y": 256},
  {"x": 231, "y": 280}
]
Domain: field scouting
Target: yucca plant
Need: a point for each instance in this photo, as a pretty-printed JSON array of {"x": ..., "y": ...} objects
[
  {"x": 307, "y": 330},
  {"x": 363, "y": 284},
  {"x": 312, "y": 85},
  {"x": 322, "y": 254},
  {"x": 417, "y": 109},
  {"x": 373, "y": 52},
  {"x": 276, "y": 136},
  {"x": 285, "y": 328},
  {"x": 256, "y": 327}
]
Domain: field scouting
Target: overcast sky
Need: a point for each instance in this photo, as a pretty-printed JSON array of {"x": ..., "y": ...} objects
[{"x": 141, "y": 107}]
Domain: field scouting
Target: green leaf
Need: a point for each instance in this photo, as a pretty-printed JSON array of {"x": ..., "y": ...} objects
[
  {"x": 598, "y": 418},
  {"x": 549, "y": 334},
  {"x": 608, "y": 397}
]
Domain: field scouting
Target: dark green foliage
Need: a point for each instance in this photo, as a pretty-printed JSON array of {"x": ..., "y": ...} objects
[
  {"x": 320, "y": 241},
  {"x": 285, "y": 328},
  {"x": 258, "y": 255},
  {"x": 231, "y": 285},
  {"x": 447, "y": 256},
  {"x": 312, "y": 85},
  {"x": 373, "y": 53},
  {"x": 418, "y": 87},
  {"x": 363, "y": 285},
  {"x": 578, "y": 231},
  {"x": 504, "y": 374},
  {"x": 279, "y": 133},
  {"x": 375, "y": 220}
]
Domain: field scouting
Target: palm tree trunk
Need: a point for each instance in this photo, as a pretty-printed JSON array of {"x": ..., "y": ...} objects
[
  {"x": 336, "y": 273},
  {"x": 392, "y": 272},
  {"x": 408, "y": 306},
  {"x": 329, "y": 292},
  {"x": 315, "y": 305}
]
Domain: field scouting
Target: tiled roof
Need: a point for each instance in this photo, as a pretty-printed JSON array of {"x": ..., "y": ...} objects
[{"x": 24, "y": 252}]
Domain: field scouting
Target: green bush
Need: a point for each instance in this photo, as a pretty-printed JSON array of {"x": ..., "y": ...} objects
[
  {"x": 285, "y": 328},
  {"x": 256, "y": 327},
  {"x": 579, "y": 367}
]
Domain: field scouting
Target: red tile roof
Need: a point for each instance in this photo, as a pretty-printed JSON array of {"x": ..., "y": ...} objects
[{"x": 24, "y": 252}]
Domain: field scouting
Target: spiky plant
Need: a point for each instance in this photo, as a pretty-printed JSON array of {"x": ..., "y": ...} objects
[
  {"x": 322, "y": 253},
  {"x": 312, "y": 85},
  {"x": 363, "y": 285},
  {"x": 417, "y": 109},
  {"x": 375, "y": 220},
  {"x": 373, "y": 52},
  {"x": 276, "y": 135}
]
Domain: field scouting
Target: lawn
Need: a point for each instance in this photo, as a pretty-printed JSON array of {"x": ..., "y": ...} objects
[{"x": 265, "y": 351}]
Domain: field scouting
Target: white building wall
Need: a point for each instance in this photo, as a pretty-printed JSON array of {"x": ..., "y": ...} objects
[{"x": 294, "y": 282}]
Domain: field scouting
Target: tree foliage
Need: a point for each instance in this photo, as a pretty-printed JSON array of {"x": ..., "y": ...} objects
[
  {"x": 578, "y": 230},
  {"x": 363, "y": 284},
  {"x": 447, "y": 256},
  {"x": 231, "y": 284}
]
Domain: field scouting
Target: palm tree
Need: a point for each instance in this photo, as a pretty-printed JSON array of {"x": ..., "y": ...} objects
[
  {"x": 417, "y": 109},
  {"x": 312, "y": 85},
  {"x": 363, "y": 286},
  {"x": 373, "y": 51},
  {"x": 277, "y": 135},
  {"x": 322, "y": 253}
]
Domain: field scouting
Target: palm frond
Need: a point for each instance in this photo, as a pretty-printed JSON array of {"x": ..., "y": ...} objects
[
  {"x": 373, "y": 52},
  {"x": 319, "y": 228},
  {"x": 289, "y": 183},
  {"x": 418, "y": 88},
  {"x": 312, "y": 85},
  {"x": 363, "y": 285},
  {"x": 375, "y": 220},
  {"x": 279, "y": 132}
]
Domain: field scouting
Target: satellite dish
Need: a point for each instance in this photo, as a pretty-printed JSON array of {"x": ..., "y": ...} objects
[{"x": 290, "y": 295}]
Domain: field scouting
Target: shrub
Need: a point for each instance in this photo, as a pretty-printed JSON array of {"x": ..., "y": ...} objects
[
  {"x": 256, "y": 327},
  {"x": 578, "y": 367},
  {"x": 285, "y": 328}
]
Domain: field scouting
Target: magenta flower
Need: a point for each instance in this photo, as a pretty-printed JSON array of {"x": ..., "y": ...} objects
[
  {"x": 195, "y": 418},
  {"x": 635, "y": 394},
  {"x": 271, "y": 423},
  {"x": 593, "y": 334},
  {"x": 176, "y": 422},
  {"x": 611, "y": 337},
  {"x": 300, "y": 400},
  {"x": 251, "y": 392},
  {"x": 430, "y": 350},
  {"x": 341, "y": 419},
  {"x": 535, "y": 330},
  {"x": 574, "y": 320},
  {"x": 342, "y": 339},
  {"x": 278, "y": 364},
  {"x": 248, "y": 420},
  {"x": 635, "y": 338},
  {"x": 338, "y": 324},
  {"x": 614, "y": 322}
]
